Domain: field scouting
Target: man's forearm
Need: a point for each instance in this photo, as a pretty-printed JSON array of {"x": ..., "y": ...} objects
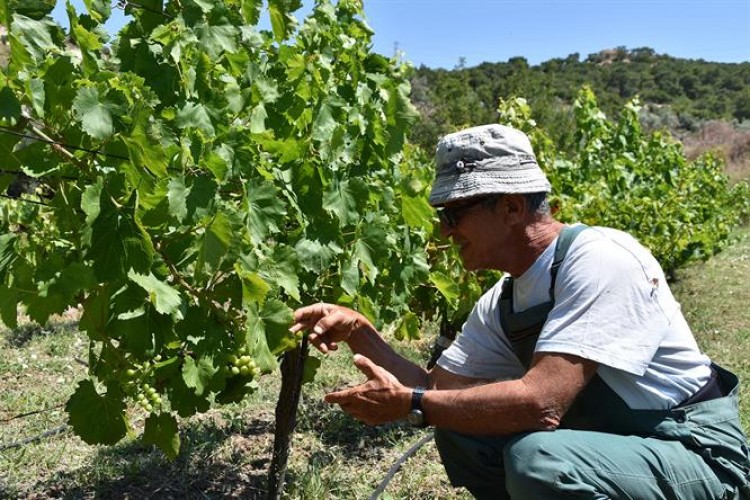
[
  {"x": 535, "y": 402},
  {"x": 498, "y": 408},
  {"x": 368, "y": 342}
]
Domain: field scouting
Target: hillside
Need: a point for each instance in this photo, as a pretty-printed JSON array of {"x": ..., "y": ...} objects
[{"x": 681, "y": 95}]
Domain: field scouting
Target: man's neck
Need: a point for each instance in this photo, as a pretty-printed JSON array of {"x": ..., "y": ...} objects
[{"x": 532, "y": 242}]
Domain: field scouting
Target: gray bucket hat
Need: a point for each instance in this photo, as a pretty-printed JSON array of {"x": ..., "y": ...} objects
[{"x": 489, "y": 159}]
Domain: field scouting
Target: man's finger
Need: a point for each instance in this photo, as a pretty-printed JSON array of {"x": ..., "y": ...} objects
[
  {"x": 312, "y": 311},
  {"x": 333, "y": 319},
  {"x": 339, "y": 397},
  {"x": 366, "y": 366},
  {"x": 318, "y": 342}
]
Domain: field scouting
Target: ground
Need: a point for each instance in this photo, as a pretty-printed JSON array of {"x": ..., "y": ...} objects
[{"x": 226, "y": 452}]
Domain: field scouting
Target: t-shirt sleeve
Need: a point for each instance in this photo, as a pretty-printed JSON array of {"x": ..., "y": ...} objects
[
  {"x": 481, "y": 350},
  {"x": 607, "y": 307}
]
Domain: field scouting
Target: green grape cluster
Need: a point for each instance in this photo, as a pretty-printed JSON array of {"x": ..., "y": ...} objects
[
  {"x": 147, "y": 397},
  {"x": 138, "y": 387},
  {"x": 242, "y": 364}
]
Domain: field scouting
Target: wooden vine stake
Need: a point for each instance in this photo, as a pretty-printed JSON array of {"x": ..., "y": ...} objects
[{"x": 292, "y": 374}]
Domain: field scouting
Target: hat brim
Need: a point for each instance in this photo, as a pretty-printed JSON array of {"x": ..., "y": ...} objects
[{"x": 497, "y": 177}]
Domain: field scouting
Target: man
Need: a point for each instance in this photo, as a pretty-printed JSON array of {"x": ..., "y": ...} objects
[{"x": 575, "y": 376}]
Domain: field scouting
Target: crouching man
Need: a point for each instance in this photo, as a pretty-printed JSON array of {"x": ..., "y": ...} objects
[{"x": 576, "y": 375}]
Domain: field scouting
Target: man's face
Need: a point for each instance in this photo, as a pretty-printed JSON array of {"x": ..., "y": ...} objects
[{"x": 472, "y": 225}]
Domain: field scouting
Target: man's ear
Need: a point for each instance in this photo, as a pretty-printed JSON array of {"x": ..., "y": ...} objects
[{"x": 515, "y": 208}]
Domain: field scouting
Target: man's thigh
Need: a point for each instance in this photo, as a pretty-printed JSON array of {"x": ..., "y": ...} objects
[{"x": 588, "y": 464}]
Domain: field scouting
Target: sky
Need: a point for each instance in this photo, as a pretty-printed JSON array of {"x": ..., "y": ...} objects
[{"x": 441, "y": 33}]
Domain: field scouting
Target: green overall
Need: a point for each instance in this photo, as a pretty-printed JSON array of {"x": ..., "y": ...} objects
[{"x": 604, "y": 449}]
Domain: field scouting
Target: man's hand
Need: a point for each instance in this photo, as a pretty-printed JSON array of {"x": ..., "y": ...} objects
[
  {"x": 379, "y": 400},
  {"x": 329, "y": 324}
]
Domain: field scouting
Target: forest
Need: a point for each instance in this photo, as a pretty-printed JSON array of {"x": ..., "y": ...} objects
[{"x": 679, "y": 95}]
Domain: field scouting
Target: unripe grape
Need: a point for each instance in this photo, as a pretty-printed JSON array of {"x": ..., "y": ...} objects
[
  {"x": 130, "y": 372},
  {"x": 246, "y": 359},
  {"x": 149, "y": 408},
  {"x": 245, "y": 370},
  {"x": 235, "y": 370},
  {"x": 233, "y": 359}
]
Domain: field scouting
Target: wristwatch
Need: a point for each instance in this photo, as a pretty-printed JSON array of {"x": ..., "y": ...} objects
[{"x": 416, "y": 414}]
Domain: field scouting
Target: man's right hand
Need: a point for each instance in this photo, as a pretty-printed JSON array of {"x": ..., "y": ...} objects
[{"x": 328, "y": 324}]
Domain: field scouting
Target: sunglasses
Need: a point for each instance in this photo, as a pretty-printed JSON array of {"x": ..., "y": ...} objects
[{"x": 451, "y": 216}]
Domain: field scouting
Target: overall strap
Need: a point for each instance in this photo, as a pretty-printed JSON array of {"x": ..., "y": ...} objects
[
  {"x": 564, "y": 240},
  {"x": 523, "y": 328}
]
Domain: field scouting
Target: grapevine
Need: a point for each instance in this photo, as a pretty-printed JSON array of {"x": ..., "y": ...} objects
[{"x": 200, "y": 177}]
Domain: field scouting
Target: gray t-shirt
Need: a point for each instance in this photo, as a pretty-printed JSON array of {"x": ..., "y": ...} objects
[{"x": 612, "y": 306}]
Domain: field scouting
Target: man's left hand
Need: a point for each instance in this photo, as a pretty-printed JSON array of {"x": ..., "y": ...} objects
[{"x": 379, "y": 400}]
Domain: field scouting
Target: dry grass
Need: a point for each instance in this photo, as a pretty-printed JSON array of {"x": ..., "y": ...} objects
[
  {"x": 225, "y": 452},
  {"x": 732, "y": 143}
]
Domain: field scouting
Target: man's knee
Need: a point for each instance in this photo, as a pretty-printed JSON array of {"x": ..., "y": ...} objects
[
  {"x": 532, "y": 464},
  {"x": 473, "y": 462}
]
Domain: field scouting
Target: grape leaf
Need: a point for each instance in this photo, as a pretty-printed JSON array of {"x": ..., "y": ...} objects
[
  {"x": 446, "y": 285},
  {"x": 161, "y": 430},
  {"x": 280, "y": 267},
  {"x": 340, "y": 201},
  {"x": 282, "y": 22},
  {"x": 213, "y": 244},
  {"x": 97, "y": 419},
  {"x": 257, "y": 340},
  {"x": 9, "y": 308},
  {"x": 95, "y": 116},
  {"x": 140, "y": 331},
  {"x": 166, "y": 300},
  {"x": 145, "y": 152},
  {"x": 37, "y": 37},
  {"x": 184, "y": 400},
  {"x": 10, "y": 106},
  {"x": 118, "y": 242},
  {"x": 95, "y": 313},
  {"x": 276, "y": 318},
  {"x": 199, "y": 374},
  {"x": 217, "y": 38},
  {"x": 313, "y": 256},
  {"x": 254, "y": 288},
  {"x": 59, "y": 293},
  {"x": 35, "y": 9},
  {"x": 265, "y": 211},
  {"x": 99, "y": 10},
  {"x": 177, "y": 196},
  {"x": 417, "y": 212},
  {"x": 194, "y": 115},
  {"x": 408, "y": 327},
  {"x": 312, "y": 364},
  {"x": 7, "y": 253}
]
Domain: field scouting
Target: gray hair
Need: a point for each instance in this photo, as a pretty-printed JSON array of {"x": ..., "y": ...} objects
[{"x": 537, "y": 203}]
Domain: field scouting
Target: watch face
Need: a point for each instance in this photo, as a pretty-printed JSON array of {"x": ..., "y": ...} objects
[{"x": 416, "y": 417}]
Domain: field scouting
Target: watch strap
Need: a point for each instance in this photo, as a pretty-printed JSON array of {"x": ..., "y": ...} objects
[
  {"x": 416, "y": 398},
  {"x": 416, "y": 414}
]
